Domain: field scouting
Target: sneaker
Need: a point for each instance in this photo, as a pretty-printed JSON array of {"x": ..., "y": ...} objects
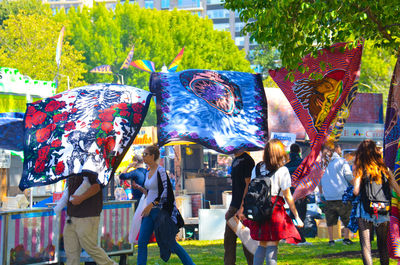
[
  {"x": 347, "y": 242},
  {"x": 331, "y": 243}
]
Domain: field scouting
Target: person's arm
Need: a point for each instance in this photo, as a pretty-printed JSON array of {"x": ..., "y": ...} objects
[
  {"x": 357, "y": 184},
  {"x": 128, "y": 167},
  {"x": 239, "y": 213},
  {"x": 289, "y": 199},
  {"x": 93, "y": 190},
  {"x": 347, "y": 173},
  {"x": 393, "y": 183}
]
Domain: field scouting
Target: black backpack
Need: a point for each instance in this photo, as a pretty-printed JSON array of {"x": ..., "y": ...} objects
[
  {"x": 375, "y": 197},
  {"x": 257, "y": 205}
]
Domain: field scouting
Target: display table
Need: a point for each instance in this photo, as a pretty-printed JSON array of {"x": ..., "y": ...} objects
[{"x": 34, "y": 236}]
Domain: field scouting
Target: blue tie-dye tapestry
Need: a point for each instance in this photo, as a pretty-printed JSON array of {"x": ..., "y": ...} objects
[
  {"x": 221, "y": 110},
  {"x": 87, "y": 129}
]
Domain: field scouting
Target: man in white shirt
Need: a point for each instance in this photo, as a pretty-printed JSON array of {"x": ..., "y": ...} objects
[{"x": 334, "y": 182}]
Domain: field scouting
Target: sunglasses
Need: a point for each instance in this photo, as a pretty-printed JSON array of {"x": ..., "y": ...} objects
[{"x": 146, "y": 154}]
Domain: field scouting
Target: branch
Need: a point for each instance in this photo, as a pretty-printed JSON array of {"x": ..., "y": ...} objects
[
  {"x": 381, "y": 28},
  {"x": 393, "y": 25}
]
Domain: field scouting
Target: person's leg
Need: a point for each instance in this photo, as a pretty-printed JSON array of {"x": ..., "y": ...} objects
[
  {"x": 182, "y": 254},
  {"x": 301, "y": 206},
  {"x": 381, "y": 234},
  {"x": 344, "y": 213},
  {"x": 71, "y": 244},
  {"x": 364, "y": 228},
  {"x": 248, "y": 255},
  {"x": 272, "y": 255},
  {"x": 230, "y": 240},
  {"x": 87, "y": 229},
  {"x": 259, "y": 256},
  {"x": 146, "y": 229},
  {"x": 331, "y": 215}
]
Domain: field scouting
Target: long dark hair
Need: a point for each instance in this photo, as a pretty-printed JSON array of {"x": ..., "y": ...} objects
[{"x": 369, "y": 161}]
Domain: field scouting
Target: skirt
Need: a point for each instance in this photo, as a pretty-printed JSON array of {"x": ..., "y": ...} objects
[{"x": 280, "y": 226}]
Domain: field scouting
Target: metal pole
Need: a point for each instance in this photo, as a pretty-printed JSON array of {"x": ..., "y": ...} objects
[{"x": 68, "y": 81}]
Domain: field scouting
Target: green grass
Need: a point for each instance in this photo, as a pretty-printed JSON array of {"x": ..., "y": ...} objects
[{"x": 212, "y": 252}]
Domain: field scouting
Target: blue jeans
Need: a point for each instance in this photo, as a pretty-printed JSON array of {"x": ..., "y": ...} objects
[{"x": 146, "y": 230}]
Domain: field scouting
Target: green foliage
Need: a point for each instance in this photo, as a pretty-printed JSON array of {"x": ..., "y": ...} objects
[
  {"x": 106, "y": 36},
  {"x": 297, "y": 28},
  {"x": 267, "y": 57},
  {"x": 27, "y": 7},
  {"x": 28, "y": 43}
]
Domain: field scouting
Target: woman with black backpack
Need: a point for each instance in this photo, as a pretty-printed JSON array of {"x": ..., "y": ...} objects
[
  {"x": 372, "y": 181},
  {"x": 278, "y": 225}
]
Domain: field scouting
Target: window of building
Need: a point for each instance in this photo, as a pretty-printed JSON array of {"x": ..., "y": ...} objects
[
  {"x": 148, "y": 3},
  {"x": 188, "y": 3},
  {"x": 239, "y": 26},
  {"x": 222, "y": 26},
  {"x": 218, "y": 13},
  {"x": 239, "y": 41},
  {"x": 164, "y": 3},
  {"x": 214, "y": 2}
]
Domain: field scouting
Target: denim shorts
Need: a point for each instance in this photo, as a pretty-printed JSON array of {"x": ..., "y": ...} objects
[{"x": 361, "y": 213}]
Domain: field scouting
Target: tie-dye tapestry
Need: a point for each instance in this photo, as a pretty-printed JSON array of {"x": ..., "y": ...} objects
[
  {"x": 222, "y": 110},
  {"x": 308, "y": 183},
  {"x": 87, "y": 129},
  {"x": 12, "y": 131},
  {"x": 394, "y": 226},
  {"x": 316, "y": 102},
  {"x": 392, "y": 123}
]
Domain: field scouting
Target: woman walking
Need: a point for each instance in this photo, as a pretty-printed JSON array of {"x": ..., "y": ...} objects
[
  {"x": 372, "y": 176},
  {"x": 280, "y": 225},
  {"x": 157, "y": 196}
]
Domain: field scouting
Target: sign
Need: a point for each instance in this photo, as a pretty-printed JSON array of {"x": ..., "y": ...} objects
[
  {"x": 286, "y": 138},
  {"x": 361, "y": 131},
  {"x": 5, "y": 159},
  {"x": 146, "y": 136}
]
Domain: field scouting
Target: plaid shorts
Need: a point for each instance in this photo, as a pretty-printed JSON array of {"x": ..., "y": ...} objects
[{"x": 335, "y": 209}]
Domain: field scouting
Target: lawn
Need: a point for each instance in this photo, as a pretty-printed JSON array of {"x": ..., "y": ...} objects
[{"x": 212, "y": 252}]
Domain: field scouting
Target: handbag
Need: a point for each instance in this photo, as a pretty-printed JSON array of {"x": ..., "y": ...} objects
[{"x": 169, "y": 205}]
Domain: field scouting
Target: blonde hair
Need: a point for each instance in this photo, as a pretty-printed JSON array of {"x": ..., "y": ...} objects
[{"x": 275, "y": 155}]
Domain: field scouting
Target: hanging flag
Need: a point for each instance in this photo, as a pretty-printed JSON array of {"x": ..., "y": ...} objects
[
  {"x": 222, "y": 110},
  {"x": 87, "y": 129},
  {"x": 175, "y": 63},
  {"x": 144, "y": 65},
  {"x": 12, "y": 131},
  {"x": 392, "y": 122},
  {"x": 59, "y": 46},
  {"x": 317, "y": 101},
  {"x": 128, "y": 59},
  {"x": 102, "y": 69}
]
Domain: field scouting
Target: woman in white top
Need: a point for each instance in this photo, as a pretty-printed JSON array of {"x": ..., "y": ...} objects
[
  {"x": 154, "y": 202},
  {"x": 280, "y": 226}
]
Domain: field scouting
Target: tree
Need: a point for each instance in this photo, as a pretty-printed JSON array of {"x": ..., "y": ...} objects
[
  {"x": 297, "y": 28},
  {"x": 28, "y": 43},
  {"x": 267, "y": 58},
  {"x": 106, "y": 36},
  {"x": 28, "y": 7}
]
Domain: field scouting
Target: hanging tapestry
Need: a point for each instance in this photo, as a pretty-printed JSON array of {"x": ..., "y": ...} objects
[
  {"x": 222, "y": 110},
  {"x": 317, "y": 101},
  {"x": 87, "y": 129},
  {"x": 12, "y": 131},
  {"x": 392, "y": 123}
]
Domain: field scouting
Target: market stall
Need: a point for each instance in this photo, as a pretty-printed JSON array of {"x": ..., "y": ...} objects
[{"x": 34, "y": 236}]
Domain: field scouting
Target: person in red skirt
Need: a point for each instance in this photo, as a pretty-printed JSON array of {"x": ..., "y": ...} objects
[{"x": 280, "y": 226}]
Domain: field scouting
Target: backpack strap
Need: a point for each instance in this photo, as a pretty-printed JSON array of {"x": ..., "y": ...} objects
[{"x": 258, "y": 171}]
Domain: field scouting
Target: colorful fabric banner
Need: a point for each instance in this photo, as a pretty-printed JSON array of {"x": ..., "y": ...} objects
[
  {"x": 222, "y": 110},
  {"x": 84, "y": 129},
  {"x": 59, "y": 46},
  {"x": 12, "y": 131},
  {"x": 102, "y": 69},
  {"x": 144, "y": 65},
  {"x": 392, "y": 123},
  {"x": 128, "y": 59},
  {"x": 394, "y": 227},
  {"x": 316, "y": 102},
  {"x": 175, "y": 63}
]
